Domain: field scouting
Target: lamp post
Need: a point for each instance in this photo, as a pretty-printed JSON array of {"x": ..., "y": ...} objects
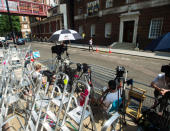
[{"x": 10, "y": 21}]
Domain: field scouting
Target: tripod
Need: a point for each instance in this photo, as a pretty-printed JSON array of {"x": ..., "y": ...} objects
[{"x": 121, "y": 80}]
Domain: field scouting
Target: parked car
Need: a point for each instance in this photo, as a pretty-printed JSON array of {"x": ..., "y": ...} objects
[
  {"x": 4, "y": 43},
  {"x": 1, "y": 44},
  {"x": 20, "y": 41},
  {"x": 2, "y": 38}
]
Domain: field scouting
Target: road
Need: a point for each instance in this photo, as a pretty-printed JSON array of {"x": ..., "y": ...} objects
[{"x": 141, "y": 69}]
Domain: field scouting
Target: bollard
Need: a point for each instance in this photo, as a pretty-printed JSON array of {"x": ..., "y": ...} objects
[{"x": 97, "y": 49}]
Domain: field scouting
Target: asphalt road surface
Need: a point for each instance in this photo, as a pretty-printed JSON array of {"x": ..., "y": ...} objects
[{"x": 141, "y": 69}]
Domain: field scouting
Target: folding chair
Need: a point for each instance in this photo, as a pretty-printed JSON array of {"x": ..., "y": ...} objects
[
  {"x": 112, "y": 111},
  {"x": 138, "y": 95}
]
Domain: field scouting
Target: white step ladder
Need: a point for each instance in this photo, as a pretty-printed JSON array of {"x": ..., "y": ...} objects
[
  {"x": 34, "y": 118},
  {"x": 80, "y": 113},
  {"x": 58, "y": 101}
]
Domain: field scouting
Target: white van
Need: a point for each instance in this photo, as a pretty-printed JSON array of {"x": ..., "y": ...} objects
[{"x": 2, "y": 38}]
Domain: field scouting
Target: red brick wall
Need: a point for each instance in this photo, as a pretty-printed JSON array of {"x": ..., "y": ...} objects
[
  {"x": 145, "y": 18},
  {"x": 46, "y": 27},
  {"x": 100, "y": 22},
  {"x": 83, "y": 4},
  {"x": 53, "y": 26},
  {"x": 42, "y": 28}
]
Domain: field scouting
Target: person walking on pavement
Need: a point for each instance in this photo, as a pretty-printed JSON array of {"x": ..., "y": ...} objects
[
  {"x": 91, "y": 44},
  {"x": 83, "y": 35}
]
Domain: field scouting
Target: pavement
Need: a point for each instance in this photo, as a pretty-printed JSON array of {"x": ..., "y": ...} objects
[{"x": 141, "y": 53}]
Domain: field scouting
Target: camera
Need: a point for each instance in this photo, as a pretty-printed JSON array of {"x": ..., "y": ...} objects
[
  {"x": 79, "y": 67},
  {"x": 120, "y": 70},
  {"x": 166, "y": 69},
  {"x": 58, "y": 49},
  {"x": 82, "y": 67}
]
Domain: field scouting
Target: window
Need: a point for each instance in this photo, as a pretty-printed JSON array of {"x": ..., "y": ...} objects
[
  {"x": 130, "y": 1},
  {"x": 92, "y": 7},
  {"x": 92, "y": 30},
  {"x": 108, "y": 29},
  {"x": 109, "y": 3},
  {"x": 24, "y": 18},
  {"x": 155, "y": 28},
  {"x": 25, "y": 26},
  {"x": 80, "y": 30}
]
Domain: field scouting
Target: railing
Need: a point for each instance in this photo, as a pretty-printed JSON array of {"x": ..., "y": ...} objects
[
  {"x": 101, "y": 75},
  {"x": 24, "y": 7}
]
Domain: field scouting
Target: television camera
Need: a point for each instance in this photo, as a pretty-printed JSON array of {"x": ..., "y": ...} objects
[
  {"x": 120, "y": 70},
  {"x": 59, "y": 50},
  {"x": 82, "y": 67}
]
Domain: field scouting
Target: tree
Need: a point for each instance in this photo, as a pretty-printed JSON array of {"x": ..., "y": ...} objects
[
  {"x": 5, "y": 25},
  {"x": 16, "y": 23}
]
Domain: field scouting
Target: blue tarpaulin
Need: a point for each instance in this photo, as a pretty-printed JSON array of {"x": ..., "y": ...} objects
[{"x": 162, "y": 43}]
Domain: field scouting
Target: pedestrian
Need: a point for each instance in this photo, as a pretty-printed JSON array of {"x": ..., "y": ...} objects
[
  {"x": 91, "y": 44},
  {"x": 6, "y": 44},
  {"x": 83, "y": 35}
]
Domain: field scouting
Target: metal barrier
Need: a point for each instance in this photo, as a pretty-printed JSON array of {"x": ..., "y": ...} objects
[{"x": 101, "y": 75}]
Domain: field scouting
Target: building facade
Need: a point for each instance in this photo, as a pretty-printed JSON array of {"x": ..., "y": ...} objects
[
  {"x": 42, "y": 29},
  {"x": 122, "y": 21},
  {"x": 25, "y": 21},
  {"x": 25, "y": 26}
]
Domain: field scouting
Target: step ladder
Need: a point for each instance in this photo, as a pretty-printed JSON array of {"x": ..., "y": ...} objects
[
  {"x": 58, "y": 101},
  {"x": 34, "y": 118},
  {"x": 8, "y": 96},
  {"x": 63, "y": 97},
  {"x": 42, "y": 98},
  {"x": 79, "y": 113},
  {"x": 138, "y": 95}
]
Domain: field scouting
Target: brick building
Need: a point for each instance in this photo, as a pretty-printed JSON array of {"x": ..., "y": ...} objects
[
  {"x": 42, "y": 29},
  {"x": 57, "y": 19},
  {"x": 122, "y": 21},
  {"x": 25, "y": 21}
]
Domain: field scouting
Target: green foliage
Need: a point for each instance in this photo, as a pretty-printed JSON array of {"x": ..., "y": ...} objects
[{"x": 5, "y": 25}]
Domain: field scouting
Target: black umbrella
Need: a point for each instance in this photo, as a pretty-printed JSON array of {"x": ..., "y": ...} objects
[{"x": 65, "y": 34}]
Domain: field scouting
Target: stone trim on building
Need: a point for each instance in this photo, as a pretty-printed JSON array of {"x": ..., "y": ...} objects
[{"x": 130, "y": 16}]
